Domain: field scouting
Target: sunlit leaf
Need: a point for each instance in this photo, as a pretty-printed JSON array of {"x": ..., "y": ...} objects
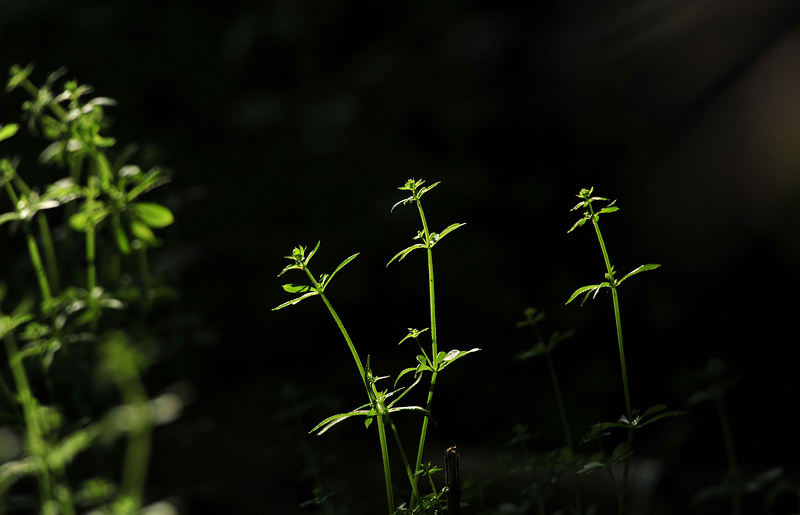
[
  {"x": 295, "y": 301},
  {"x": 154, "y": 215},
  {"x": 643, "y": 268},
  {"x": 403, "y": 253}
]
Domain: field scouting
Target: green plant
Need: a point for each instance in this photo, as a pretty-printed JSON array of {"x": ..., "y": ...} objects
[
  {"x": 631, "y": 420},
  {"x": 567, "y": 453},
  {"x": 378, "y": 407},
  {"x": 87, "y": 237}
]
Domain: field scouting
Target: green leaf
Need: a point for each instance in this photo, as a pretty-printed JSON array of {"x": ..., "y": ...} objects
[
  {"x": 143, "y": 232},
  {"x": 154, "y": 215},
  {"x": 342, "y": 266},
  {"x": 621, "y": 451},
  {"x": 658, "y": 408},
  {"x": 403, "y": 253},
  {"x": 450, "y": 229},
  {"x": 591, "y": 467},
  {"x": 296, "y": 288},
  {"x": 643, "y": 268},
  {"x": 579, "y": 223},
  {"x": 663, "y": 415},
  {"x": 6, "y": 131},
  {"x": 155, "y": 177},
  {"x": 335, "y": 419},
  {"x": 453, "y": 355},
  {"x": 307, "y": 259},
  {"x": 588, "y": 290},
  {"x": 536, "y": 350},
  {"x": 119, "y": 234},
  {"x": 295, "y": 301}
]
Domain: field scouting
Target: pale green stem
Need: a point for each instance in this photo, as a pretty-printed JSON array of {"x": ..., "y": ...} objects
[
  {"x": 34, "y": 434},
  {"x": 381, "y": 429},
  {"x": 615, "y": 297},
  {"x": 434, "y": 345},
  {"x": 411, "y": 477},
  {"x": 387, "y": 473}
]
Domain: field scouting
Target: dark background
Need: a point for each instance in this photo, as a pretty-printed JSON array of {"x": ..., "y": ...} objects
[{"x": 291, "y": 122}]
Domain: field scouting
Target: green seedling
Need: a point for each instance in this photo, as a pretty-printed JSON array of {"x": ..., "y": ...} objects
[
  {"x": 544, "y": 348},
  {"x": 631, "y": 420},
  {"x": 57, "y": 327},
  {"x": 378, "y": 408}
]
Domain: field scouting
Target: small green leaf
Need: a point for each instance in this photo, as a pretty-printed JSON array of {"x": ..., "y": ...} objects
[
  {"x": 342, "y": 266},
  {"x": 119, "y": 234},
  {"x": 154, "y": 215},
  {"x": 591, "y": 467},
  {"x": 450, "y": 229},
  {"x": 654, "y": 409},
  {"x": 403, "y": 253},
  {"x": 295, "y": 301},
  {"x": 588, "y": 289},
  {"x": 537, "y": 350},
  {"x": 621, "y": 451},
  {"x": 335, "y": 419},
  {"x": 307, "y": 259},
  {"x": 296, "y": 288},
  {"x": 453, "y": 355},
  {"x": 143, "y": 232},
  {"x": 663, "y": 415},
  {"x": 6, "y": 131},
  {"x": 643, "y": 268},
  {"x": 155, "y": 177}
]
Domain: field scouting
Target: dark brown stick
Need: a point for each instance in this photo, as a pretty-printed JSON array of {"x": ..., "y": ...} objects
[{"x": 452, "y": 479}]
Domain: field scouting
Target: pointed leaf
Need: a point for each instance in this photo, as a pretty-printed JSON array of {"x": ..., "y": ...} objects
[
  {"x": 654, "y": 409},
  {"x": 455, "y": 354},
  {"x": 342, "y": 265},
  {"x": 583, "y": 289},
  {"x": 643, "y": 268},
  {"x": 608, "y": 209},
  {"x": 536, "y": 350},
  {"x": 403, "y": 253},
  {"x": 450, "y": 229},
  {"x": 663, "y": 415},
  {"x": 621, "y": 451},
  {"x": 312, "y": 253},
  {"x": 295, "y": 301},
  {"x": 591, "y": 467},
  {"x": 335, "y": 419}
]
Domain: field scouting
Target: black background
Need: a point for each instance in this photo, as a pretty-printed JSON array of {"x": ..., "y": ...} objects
[{"x": 291, "y": 122}]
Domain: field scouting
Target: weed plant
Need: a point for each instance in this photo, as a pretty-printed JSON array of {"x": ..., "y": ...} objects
[
  {"x": 76, "y": 317},
  {"x": 431, "y": 362}
]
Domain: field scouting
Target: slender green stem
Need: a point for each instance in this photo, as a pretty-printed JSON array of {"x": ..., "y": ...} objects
[
  {"x": 387, "y": 473},
  {"x": 344, "y": 332},
  {"x": 434, "y": 343},
  {"x": 629, "y": 412},
  {"x": 409, "y": 472},
  {"x": 49, "y": 251},
  {"x": 733, "y": 466},
  {"x": 564, "y": 423},
  {"x": 34, "y": 436}
]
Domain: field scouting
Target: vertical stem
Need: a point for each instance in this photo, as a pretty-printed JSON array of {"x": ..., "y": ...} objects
[
  {"x": 387, "y": 473},
  {"x": 434, "y": 341},
  {"x": 733, "y": 466},
  {"x": 409, "y": 472},
  {"x": 618, "y": 321},
  {"x": 49, "y": 251},
  {"x": 564, "y": 424}
]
